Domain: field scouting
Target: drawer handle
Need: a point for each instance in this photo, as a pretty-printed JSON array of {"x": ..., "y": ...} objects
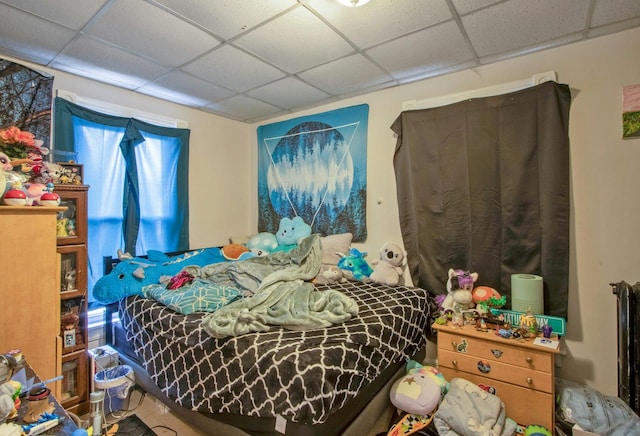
[
  {"x": 454, "y": 344},
  {"x": 529, "y": 380},
  {"x": 529, "y": 360},
  {"x": 454, "y": 362}
]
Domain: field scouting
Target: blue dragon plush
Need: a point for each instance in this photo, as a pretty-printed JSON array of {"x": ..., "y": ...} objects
[
  {"x": 132, "y": 274},
  {"x": 354, "y": 266}
]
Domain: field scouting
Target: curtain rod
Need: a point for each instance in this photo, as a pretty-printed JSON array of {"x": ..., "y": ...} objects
[{"x": 503, "y": 88}]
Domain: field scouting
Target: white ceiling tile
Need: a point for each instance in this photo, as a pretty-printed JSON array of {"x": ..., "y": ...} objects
[
  {"x": 347, "y": 75},
  {"x": 17, "y": 36},
  {"x": 289, "y": 93},
  {"x": 234, "y": 68},
  {"x": 295, "y": 41},
  {"x": 185, "y": 89},
  {"x": 73, "y": 14},
  {"x": 466, "y": 6},
  {"x": 613, "y": 28},
  {"x": 146, "y": 30},
  {"x": 523, "y": 23},
  {"x": 244, "y": 108},
  {"x": 614, "y": 11},
  {"x": 91, "y": 58},
  {"x": 228, "y": 18},
  {"x": 439, "y": 47},
  {"x": 382, "y": 20}
]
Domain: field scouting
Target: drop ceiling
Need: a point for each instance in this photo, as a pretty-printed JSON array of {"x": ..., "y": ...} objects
[{"x": 251, "y": 60}]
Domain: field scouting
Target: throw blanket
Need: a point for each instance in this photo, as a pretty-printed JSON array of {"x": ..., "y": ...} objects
[
  {"x": 468, "y": 410},
  {"x": 281, "y": 292}
]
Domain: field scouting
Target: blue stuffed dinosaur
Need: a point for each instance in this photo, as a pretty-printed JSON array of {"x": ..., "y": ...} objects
[
  {"x": 133, "y": 273},
  {"x": 354, "y": 265}
]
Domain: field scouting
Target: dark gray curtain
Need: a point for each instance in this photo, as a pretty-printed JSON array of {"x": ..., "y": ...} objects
[{"x": 483, "y": 185}]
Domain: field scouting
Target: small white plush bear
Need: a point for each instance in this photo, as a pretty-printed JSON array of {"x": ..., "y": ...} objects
[
  {"x": 389, "y": 268},
  {"x": 459, "y": 287},
  {"x": 328, "y": 275}
]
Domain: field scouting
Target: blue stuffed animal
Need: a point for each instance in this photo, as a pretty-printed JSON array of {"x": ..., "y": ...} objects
[
  {"x": 289, "y": 233},
  {"x": 133, "y": 273},
  {"x": 354, "y": 265}
]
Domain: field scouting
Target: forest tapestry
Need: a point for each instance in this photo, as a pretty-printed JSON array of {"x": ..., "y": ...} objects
[
  {"x": 315, "y": 167},
  {"x": 25, "y": 100}
]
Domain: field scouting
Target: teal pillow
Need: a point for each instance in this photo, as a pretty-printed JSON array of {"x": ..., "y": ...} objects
[{"x": 198, "y": 296}]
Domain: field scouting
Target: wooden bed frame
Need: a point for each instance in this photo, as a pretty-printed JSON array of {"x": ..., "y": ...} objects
[{"x": 352, "y": 420}]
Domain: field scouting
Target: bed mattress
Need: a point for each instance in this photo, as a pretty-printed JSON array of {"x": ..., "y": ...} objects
[{"x": 301, "y": 376}]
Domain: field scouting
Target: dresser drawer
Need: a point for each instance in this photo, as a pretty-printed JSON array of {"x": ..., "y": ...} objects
[
  {"x": 525, "y": 406},
  {"x": 493, "y": 369},
  {"x": 498, "y": 351}
]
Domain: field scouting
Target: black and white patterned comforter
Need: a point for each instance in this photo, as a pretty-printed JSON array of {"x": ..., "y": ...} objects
[{"x": 301, "y": 376}]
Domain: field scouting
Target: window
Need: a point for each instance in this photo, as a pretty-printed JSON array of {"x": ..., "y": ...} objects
[{"x": 138, "y": 174}]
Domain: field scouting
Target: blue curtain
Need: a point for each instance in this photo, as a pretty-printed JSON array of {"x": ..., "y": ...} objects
[{"x": 138, "y": 174}]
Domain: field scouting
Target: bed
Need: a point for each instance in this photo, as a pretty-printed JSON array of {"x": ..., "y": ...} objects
[{"x": 332, "y": 380}]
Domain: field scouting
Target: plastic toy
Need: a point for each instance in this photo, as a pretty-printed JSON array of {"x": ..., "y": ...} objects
[{"x": 390, "y": 267}]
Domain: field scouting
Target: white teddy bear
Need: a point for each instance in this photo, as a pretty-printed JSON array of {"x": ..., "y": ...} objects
[{"x": 389, "y": 268}]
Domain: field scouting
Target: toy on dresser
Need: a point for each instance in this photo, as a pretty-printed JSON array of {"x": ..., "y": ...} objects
[{"x": 459, "y": 291}]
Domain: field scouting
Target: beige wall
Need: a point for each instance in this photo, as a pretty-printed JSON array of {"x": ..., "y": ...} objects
[{"x": 605, "y": 235}]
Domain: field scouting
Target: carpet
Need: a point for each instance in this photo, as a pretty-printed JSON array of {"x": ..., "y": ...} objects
[{"x": 130, "y": 426}]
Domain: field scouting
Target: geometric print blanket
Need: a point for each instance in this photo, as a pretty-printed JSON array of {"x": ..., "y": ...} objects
[{"x": 300, "y": 375}]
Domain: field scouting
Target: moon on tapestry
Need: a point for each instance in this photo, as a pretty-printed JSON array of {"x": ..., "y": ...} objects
[{"x": 315, "y": 167}]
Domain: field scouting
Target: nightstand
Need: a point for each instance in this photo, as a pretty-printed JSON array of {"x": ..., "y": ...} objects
[{"x": 520, "y": 373}]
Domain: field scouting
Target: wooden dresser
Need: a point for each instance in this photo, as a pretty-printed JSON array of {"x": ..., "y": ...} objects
[
  {"x": 520, "y": 373},
  {"x": 30, "y": 271}
]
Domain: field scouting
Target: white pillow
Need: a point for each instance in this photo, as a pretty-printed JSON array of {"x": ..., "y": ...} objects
[{"x": 331, "y": 244}]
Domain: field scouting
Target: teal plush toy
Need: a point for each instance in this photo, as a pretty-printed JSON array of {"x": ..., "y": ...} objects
[
  {"x": 133, "y": 273},
  {"x": 354, "y": 266},
  {"x": 289, "y": 233}
]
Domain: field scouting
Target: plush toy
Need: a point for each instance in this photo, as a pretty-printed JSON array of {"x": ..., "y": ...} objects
[
  {"x": 262, "y": 243},
  {"x": 418, "y": 394},
  {"x": 459, "y": 287},
  {"x": 133, "y": 273},
  {"x": 485, "y": 297},
  {"x": 390, "y": 267},
  {"x": 291, "y": 231},
  {"x": 328, "y": 275},
  {"x": 237, "y": 252},
  {"x": 354, "y": 266}
]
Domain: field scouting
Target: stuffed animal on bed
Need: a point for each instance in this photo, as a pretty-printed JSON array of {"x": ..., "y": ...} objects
[
  {"x": 389, "y": 268},
  {"x": 354, "y": 266},
  {"x": 289, "y": 233},
  {"x": 131, "y": 274}
]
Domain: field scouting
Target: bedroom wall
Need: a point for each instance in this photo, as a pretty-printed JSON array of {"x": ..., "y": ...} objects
[
  {"x": 604, "y": 232},
  {"x": 218, "y": 157}
]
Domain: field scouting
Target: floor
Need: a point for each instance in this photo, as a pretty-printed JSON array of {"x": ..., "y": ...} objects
[{"x": 164, "y": 423}]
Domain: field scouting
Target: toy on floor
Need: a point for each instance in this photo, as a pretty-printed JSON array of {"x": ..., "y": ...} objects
[
  {"x": 418, "y": 395},
  {"x": 389, "y": 268},
  {"x": 459, "y": 286}
]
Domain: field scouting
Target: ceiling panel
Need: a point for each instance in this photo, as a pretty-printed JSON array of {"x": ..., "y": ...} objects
[
  {"x": 251, "y": 60},
  {"x": 234, "y": 69},
  {"x": 295, "y": 41}
]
